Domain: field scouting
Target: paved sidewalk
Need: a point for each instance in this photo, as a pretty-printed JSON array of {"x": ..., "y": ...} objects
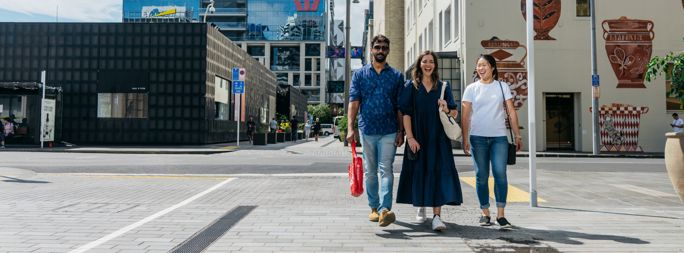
[{"x": 584, "y": 211}]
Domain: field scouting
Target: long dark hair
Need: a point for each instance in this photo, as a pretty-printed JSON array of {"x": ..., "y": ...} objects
[
  {"x": 418, "y": 71},
  {"x": 492, "y": 62}
]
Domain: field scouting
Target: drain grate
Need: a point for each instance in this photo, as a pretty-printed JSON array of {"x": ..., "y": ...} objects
[{"x": 205, "y": 237}]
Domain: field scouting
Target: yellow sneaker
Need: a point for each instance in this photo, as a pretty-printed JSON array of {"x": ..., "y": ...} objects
[
  {"x": 374, "y": 216},
  {"x": 386, "y": 218}
]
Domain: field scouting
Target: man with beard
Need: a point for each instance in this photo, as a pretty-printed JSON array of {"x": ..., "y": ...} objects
[{"x": 374, "y": 91}]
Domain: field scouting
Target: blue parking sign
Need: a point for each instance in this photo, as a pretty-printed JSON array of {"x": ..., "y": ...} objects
[
  {"x": 236, "y": 74},
  {"x": 238, "y": 87}
]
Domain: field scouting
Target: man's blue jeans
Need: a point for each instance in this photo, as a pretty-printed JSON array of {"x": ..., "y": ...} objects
[
  {"x": 378, "y": 157},
  {"x": 486, "y": 150}
]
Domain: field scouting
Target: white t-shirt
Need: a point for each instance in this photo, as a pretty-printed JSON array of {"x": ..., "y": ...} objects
[
  {"x": 677, "y": 122},
  {"x": 488, "y": 117}
]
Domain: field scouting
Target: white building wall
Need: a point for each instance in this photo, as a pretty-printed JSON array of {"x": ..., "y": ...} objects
[{"x": 564, "y": 65}]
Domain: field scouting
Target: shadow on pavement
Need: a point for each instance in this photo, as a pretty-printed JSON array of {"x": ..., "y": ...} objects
[
  {"x": 491, "y": 239},
  {"x": 19, "y": 180}
]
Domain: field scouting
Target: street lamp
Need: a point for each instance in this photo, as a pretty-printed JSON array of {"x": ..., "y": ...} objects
[
  {"x": 347, "y": 56},
  {"x": 210, "y": 9}
]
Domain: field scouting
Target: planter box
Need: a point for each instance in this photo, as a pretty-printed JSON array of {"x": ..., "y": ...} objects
[
  {"x": 280, "y": 137},
  {"x": 271, "y": 137},
  {"x": 260, "y": 139},
  {"x": 288, "y": 136}
]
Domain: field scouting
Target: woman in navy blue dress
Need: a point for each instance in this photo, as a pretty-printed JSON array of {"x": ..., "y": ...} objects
[{"x": 429, "y": 179}]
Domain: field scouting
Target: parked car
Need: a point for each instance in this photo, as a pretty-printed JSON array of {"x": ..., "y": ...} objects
[{"x": 327, "y": 129}]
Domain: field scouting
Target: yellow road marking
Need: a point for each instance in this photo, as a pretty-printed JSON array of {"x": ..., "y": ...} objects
[{"x": 515, "y": 194}]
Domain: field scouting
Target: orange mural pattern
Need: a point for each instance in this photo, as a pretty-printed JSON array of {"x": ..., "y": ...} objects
[
  {"x": 629, "y": 44},
  {"x": 546, "y": 16},
  {"x": 511, "y": 71}
]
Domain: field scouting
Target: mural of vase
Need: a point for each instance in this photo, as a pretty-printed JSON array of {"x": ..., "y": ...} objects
[
  {"x": 619, "y": 124},
  {"x": 629, "y": 44},
  {"x": 511, "y": 71},
  {"x": 546, "y": 16}
]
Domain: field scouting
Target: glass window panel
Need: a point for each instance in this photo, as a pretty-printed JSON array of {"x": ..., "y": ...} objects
[
  {"x": 313, "y": 50},
  {"x": 122, "y": 105},
  {"x": 582, "y": 8},
  {"x": 285, "y": 58},
  {"x": 256, "y": 50}
]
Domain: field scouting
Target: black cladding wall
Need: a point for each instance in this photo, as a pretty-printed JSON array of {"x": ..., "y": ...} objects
[{"x": 168, "y": 61}]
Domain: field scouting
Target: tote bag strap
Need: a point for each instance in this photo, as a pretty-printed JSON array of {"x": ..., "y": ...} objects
[{"x": 510, "y": 129}]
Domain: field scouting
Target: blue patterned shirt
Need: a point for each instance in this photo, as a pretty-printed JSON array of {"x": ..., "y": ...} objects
[{"x": 378, "y": 94}]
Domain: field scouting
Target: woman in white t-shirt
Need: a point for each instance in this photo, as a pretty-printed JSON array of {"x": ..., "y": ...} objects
[{"x": 486, "y": 137}]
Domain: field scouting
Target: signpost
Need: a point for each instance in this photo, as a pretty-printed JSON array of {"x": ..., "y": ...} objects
[{"x": 238, "y": 90}]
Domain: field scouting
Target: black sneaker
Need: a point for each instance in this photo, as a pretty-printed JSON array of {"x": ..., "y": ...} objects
[
  {"x": 485, "y": 221},
  {"x": 504, "y": 223}
]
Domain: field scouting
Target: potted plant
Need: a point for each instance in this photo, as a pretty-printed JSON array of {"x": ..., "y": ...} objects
[
  {"x": 260, "y": 137},
  {"x": 672, "y": 64}
]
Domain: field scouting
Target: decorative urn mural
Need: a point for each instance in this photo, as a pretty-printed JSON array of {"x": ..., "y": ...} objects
[
  {"x": 511, "y": 70},
  {"x": 546, "y": 16},
  {"x": 629, "y": 44},
  {"x": 619, "y": 124}
]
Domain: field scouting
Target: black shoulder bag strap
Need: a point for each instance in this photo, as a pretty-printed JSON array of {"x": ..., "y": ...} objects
[{"x": 510, "y": 127}]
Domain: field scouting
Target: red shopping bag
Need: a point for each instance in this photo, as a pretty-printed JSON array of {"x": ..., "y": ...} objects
[{"x": 355, "y": 170}]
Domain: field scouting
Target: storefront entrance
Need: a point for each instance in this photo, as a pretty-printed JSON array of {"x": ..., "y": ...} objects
[{"x": 560, "y": 121}]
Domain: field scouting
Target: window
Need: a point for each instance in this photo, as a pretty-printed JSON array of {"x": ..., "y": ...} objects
[
  {"x": 285, "y": 58},
  {"x": 441, "y": 30},
  {"x": 447, "y": 25},
  {"x": 295, "y": 79},
  {"x": 583, "y": 8},
  {"x": 313, "y": 49},
  {"x": 256, "y": 50},
  {"x": 420, "y": 43},
  {"x": 122, "y": 105},
  {"x": 307, "y": 64},
  {"x": 282, "y": 78},
  {"x": 307, "y": 80},
  {"x": 431, "y": 37}
]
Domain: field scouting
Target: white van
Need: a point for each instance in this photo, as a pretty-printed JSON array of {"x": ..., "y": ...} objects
[{"x": 327, "y": 129}]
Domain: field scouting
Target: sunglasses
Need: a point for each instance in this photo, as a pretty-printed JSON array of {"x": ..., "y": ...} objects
[{"x": 383, "y": 48}]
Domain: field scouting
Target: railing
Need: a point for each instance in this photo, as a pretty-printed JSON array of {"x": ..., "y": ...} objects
[
  {"x": 230, "y": 25},
  {"x": 224, "y": 11}
]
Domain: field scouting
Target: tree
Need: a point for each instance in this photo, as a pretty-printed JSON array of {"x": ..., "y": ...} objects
[
  {"x": 672, "y": 65},
  {"x": 321, "y": 111}
]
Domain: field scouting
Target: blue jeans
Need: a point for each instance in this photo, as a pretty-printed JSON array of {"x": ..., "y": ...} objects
[
  {"x": 378, "y": 157},
  {"x": 486, "y": 150}
]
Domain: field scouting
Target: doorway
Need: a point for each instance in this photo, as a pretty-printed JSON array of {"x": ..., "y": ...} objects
[{"x": 560, "y": 121}]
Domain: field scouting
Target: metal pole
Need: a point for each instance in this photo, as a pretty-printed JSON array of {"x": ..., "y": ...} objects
[
  {"x": 43, "y": 76},
  {"x": 531, "y": 105},
  {"x": 347, "y": 56},
  {"x": 239, "y": 119},
  {"x": 595, "y": 84}
]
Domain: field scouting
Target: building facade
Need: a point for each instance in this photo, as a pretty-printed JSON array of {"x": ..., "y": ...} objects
[
  {"x": 132, "y": 83},
  {"x": 634, "y": 113},
  {"x": 388, "y": 19},
  {"x": 289, "y": 37},
  {"x": 161, "y": 11}
]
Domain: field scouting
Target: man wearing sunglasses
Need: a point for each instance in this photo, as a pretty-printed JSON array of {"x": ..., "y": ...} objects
[{"x": 373, "y": 93}]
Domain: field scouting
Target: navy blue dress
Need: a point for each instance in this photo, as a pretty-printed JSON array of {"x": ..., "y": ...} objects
[{"x": 431, "y": 180}]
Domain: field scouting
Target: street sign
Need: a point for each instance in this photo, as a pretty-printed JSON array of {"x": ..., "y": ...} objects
[
  {"x": 595, "y": 80},
  {"x": 238, "y": 87},
  {"x": 236, "y": 74},
  {"x": 241, "y": 74}
]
